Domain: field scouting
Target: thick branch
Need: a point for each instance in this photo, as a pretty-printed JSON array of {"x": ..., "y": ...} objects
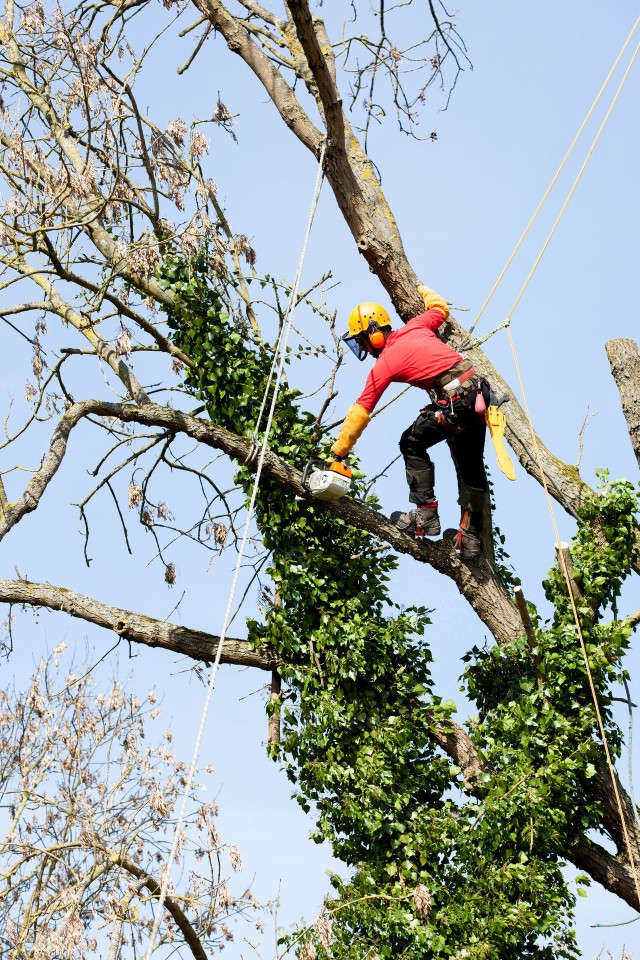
[
  {"x": 319, "y": 55},
  {"x": 135, "y": 627},
  {"x": 612, "y": 870},
  {"x": 477, "y": 582},
  {"x": 603, "y": 792},
  {"x": 614, "y": 875},
  {"x": 624, "y": 358},
  {"x": 458, "y": 745}
]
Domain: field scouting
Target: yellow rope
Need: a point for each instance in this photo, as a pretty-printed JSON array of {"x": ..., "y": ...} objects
[
  {"x": 556, "y": 175},
  {"x": 576, "y": 617},
  {"x": 543, "y": 477},
  {"x": 575, "y": 184}
]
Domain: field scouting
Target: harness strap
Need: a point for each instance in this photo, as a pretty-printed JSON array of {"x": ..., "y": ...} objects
[{"x": 456, "y": 381}]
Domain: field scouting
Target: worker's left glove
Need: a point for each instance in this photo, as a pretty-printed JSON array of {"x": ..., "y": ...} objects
[
  {"x": 355, "y": 422},
  {"x": 433, "y": 299}
]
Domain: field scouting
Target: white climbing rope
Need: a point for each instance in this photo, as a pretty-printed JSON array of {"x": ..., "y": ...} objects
[
  {"x": 633, "y": 866},
  {"x": 290, "y": 308},
  {"x": 467, "y": 343},
  {"x": 280, "y": 354}
]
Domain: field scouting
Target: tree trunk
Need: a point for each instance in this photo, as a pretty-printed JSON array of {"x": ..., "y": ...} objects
[{"x": 624, "y": 358}]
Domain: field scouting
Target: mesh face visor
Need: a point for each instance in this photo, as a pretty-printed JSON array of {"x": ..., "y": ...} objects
[
  {"x": 356, "y": 344},
  {"x": 359, "y": 342}
]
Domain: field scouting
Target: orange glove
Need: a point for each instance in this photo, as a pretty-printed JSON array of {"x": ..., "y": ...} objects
[
  {"x": 433, "y": 299},
  {"x": 355, "y": 421}
]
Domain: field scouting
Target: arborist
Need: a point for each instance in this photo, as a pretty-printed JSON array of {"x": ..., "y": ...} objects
[{"x": 414, "y": 354}]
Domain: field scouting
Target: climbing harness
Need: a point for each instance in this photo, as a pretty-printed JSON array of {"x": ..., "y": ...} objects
[
  {"x": 463, "y": 380},
  {"x": 459, "y": 385},
  {"x": 276, "y": 374}
]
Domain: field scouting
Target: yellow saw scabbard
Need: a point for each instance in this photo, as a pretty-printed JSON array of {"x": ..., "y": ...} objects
[{"x": 496, "y": 421}]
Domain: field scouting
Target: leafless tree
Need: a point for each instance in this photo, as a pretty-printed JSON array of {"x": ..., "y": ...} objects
[{"x": 89, "y": 817}]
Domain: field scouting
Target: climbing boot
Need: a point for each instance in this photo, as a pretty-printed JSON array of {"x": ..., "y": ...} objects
[
  {"x": 423, "y": 521},
  {"x": 468, "y": 545},
  {"x": 467, "y": 538}
]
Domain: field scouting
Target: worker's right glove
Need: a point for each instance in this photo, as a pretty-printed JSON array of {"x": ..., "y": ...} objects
[
  {"x": 355, "y": 422},
  {"x": 433, "y": 299}
]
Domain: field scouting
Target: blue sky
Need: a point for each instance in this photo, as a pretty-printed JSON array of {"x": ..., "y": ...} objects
[{"x": 461, "y": 203}]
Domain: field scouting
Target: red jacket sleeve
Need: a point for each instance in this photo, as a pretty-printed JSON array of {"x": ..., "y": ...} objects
[
  {"x": 377, "y": 382},
  {"x": 432, "y": 319}
]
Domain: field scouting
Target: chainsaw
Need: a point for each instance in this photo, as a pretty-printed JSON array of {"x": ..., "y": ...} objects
[{"x": 327, "y": 481}]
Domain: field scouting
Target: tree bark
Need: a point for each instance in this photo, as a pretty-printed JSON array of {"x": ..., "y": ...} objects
[
  {"x": 477, "y": 581},
  {"x": 608, "y": 869},
  {"x": 135, "y": 627},
  {"x": 624, "y": 358}
]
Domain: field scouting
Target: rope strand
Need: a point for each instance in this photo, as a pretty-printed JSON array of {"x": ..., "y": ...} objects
[
  {"x": 574, "y": 185},
  {"x": 576, "y": 618},
  {"x": 281, "y": 349},
  {"x": 554, "y": 179}
]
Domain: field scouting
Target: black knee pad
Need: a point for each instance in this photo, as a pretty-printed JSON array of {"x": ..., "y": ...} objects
[
  {"x": 422, "y": 480},
  {"x": 473, "y": 499}
]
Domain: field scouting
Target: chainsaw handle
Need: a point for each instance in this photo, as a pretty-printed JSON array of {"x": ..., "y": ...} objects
[{"x": 310, "y": 465}]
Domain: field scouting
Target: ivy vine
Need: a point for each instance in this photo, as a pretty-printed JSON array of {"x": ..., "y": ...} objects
[{"x": 432, "y": 870}]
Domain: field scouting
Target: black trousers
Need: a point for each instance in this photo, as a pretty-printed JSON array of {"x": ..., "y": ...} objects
[{"x": 464, "y": 431}]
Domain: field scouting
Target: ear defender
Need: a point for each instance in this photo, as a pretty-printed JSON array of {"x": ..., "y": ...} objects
[{"x": 376, "y": 339}]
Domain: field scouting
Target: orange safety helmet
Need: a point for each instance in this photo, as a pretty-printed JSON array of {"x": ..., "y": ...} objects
[{"x": 367, "y": 322}]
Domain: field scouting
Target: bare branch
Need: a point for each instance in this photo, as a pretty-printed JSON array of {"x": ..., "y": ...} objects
[
  {"x": 240, "y": 42},
  {"x": 135, "y": 627},
  {"x": 69, "y": 315},
  {"x": 171, "y": 904}
]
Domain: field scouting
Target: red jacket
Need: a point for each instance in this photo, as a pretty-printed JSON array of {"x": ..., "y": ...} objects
[{"x": 413, "y": 354}]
